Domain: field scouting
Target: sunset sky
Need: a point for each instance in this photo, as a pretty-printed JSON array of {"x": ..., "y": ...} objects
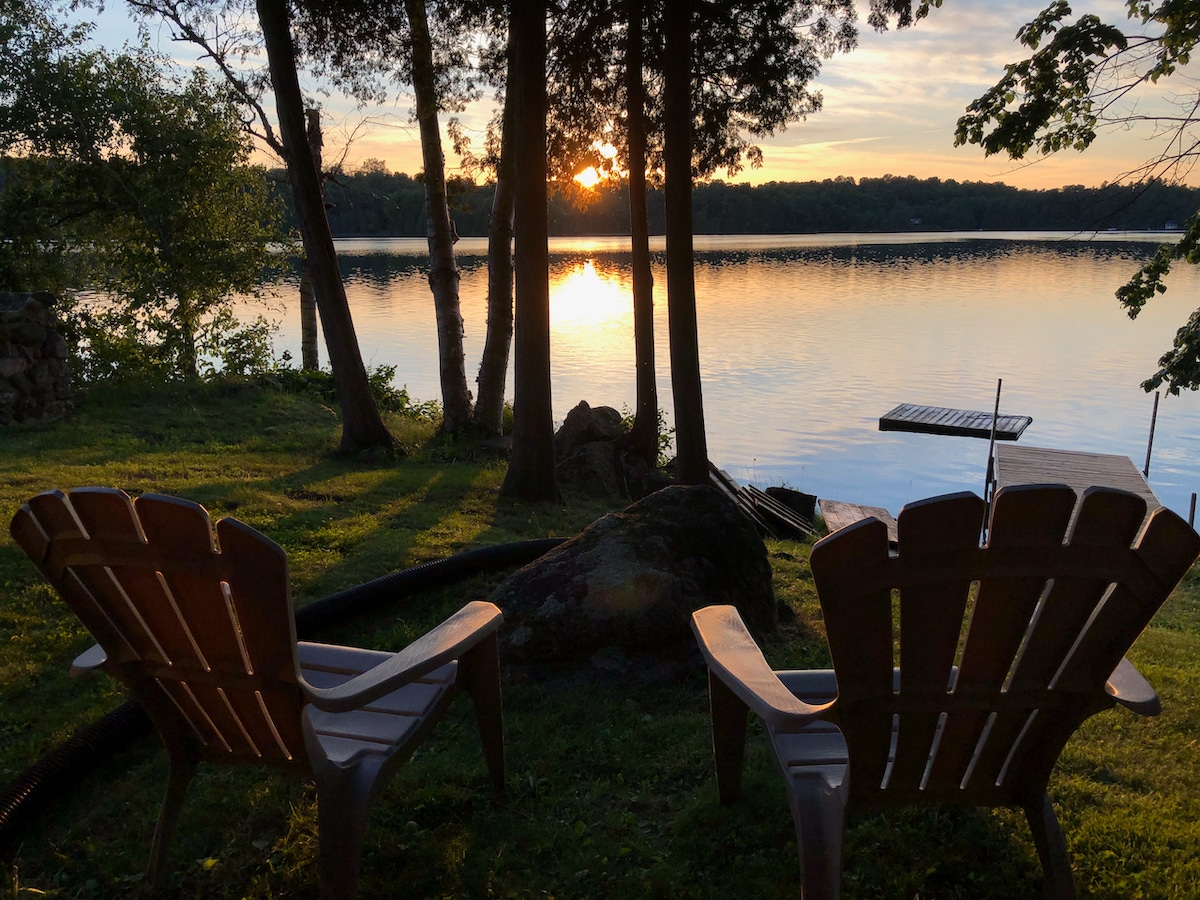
[{"x": 890, "y": 107}]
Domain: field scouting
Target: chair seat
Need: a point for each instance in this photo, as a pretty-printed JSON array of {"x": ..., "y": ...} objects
[
  {"x": 380, "y": 726},
  {"x": 819, "y": 748}
]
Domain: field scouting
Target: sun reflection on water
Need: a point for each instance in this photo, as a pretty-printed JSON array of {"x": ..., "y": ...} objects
[{"x": 581, "y": 298}]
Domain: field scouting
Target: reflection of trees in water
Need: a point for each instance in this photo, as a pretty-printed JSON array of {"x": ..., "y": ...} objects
[
  {"x": 380, "y": 269},
  {"x": 963, "y": 251}
]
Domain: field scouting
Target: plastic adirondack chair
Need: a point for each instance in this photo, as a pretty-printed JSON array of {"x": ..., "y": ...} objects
[
  {"x": 1003, "y": 651},
  {"x": 205, "y": 639}
]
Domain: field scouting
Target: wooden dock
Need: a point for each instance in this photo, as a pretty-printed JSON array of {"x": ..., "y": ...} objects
[
  {"x": 838, "y": 514},
  {"x": 1080, "y": 470},
  {"x": 961, "y": 422}
]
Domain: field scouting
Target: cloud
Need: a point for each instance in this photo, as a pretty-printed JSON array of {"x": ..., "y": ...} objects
[{"x": 892, "y": 105}]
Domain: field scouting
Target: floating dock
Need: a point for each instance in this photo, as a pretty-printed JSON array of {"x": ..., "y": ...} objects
[{"x": 961, "y": 422}]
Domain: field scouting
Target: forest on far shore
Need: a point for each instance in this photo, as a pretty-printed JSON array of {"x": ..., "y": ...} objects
[{"x": 378, "y": 203}]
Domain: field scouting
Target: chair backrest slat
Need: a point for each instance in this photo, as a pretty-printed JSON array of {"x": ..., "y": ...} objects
[
  {"x": 861, "y": 638},
  {"x": 931, "y": 615}
]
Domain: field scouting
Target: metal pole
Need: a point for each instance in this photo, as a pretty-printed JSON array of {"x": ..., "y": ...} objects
[
  {"x": 988, "y": 475},
  {"x": 1150, "y": 443}
]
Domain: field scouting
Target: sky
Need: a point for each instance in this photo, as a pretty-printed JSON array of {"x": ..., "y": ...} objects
[{"x": 890, "y": 107}]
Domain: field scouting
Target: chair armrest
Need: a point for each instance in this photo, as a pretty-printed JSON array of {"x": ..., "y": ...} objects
[
  {"x": 734, "y": 657},
  {"x": 92, "y": 658},
  {"x": 1127, "y": 686},
  {"x": 448, "y": 641}
]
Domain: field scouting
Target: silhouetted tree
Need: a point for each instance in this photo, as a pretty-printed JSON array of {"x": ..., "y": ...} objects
[
  {"x": 362, "y": 44},
  {"x": 362, "y": 427},
  {"x": 690, "y": 441},
  {"x": 531, "y": 465}
]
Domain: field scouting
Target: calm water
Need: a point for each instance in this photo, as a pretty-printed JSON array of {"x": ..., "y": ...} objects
[{"x": 805, "y": 341}]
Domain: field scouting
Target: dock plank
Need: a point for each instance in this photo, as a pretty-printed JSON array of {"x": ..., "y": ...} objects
[{"x": 912, "y": 417}]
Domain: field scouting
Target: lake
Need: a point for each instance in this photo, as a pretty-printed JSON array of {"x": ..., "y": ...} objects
[{"x": 806, "y": 340}]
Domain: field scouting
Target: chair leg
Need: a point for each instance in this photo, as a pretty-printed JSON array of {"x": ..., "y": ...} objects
[
  {"x": 182, "y": 770},
  {"x": 1052, "y": 849},
  {"x": 343, "y": 805},
  {"x": 819, "y": 811},
  {"x": 479, "y": 675},
  {"x": 729, "y": 715}
]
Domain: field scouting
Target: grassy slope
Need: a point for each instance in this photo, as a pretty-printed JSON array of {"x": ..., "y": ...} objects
[{"x": 610, "y": 790}]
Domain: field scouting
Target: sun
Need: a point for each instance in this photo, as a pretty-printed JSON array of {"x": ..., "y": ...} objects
[{"x": 589, "y": 177}]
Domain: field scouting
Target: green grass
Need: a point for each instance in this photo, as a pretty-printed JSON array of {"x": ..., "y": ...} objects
[{"x": 610, "y": 787}]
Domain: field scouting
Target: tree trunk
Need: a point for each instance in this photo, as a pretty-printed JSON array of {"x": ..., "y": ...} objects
[
  {"x": 443, "y": 274},
  {"x": 643, "y": 439},
  {"x": 530, "y": 473},
  {"x": 309, "y": 358},
  {"x": 690, "y": 443},
  {"x": 189, "y": 366},
  {"x": 362, "y": 427},
  {"x": 493, "y": 367}
]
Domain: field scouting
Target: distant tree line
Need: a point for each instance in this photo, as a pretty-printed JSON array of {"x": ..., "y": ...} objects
[{"x": 375, "y": 202}]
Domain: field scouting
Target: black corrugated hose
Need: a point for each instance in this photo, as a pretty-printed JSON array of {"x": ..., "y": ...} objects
[{"x": 72, "y": 760}]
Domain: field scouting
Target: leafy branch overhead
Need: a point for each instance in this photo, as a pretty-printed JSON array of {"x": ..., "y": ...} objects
[{"x": 1047, "y": 102}]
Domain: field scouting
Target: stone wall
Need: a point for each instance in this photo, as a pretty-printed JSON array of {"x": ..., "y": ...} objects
[{"x": 35, "y": 375}]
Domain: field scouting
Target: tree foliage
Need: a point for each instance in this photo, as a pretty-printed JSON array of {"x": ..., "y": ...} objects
[
  {"x": 123, "y": 176},
  {"x": 226, "y": 33},
  {"x": 754, "y": 63}
]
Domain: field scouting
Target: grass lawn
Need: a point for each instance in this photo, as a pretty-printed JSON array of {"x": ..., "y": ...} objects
[{"x": 610, "y": 786}]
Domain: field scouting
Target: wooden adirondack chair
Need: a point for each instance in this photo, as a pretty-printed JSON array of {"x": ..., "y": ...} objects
[
  {"x": 965, "y": 690},
  {"x": 205, "y": 639}
]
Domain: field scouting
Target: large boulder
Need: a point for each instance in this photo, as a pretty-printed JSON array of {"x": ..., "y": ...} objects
[{"x": 630, "y": 581}]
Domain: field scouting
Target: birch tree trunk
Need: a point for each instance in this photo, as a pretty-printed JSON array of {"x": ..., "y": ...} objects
[
  {"x": 443, "y": 273},
  {"x": 362, "y": 427},
  {"x": 493, "y": 367},
  {"x": 309, "y": 357}
]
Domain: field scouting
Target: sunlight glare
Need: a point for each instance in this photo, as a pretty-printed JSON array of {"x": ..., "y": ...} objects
[
  {"x": 583, "y": 300},
  {"x": 589, "y": 177}
]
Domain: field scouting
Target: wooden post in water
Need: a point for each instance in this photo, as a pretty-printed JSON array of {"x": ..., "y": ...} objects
[
  {"x": 988, "y": 474},
  {"x": 1192, "y": 510},
  {"x": 1150, "y": 443}
]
